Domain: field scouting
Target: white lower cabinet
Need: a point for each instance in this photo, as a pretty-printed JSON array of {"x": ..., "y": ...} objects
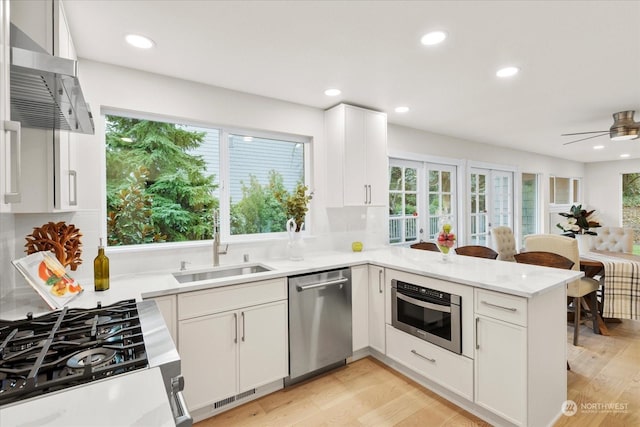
[
  {"x": 168, "y": 307},
  {"x": 377, "y": 294},
  {"x": 450, "y": 370},
  {"x": 501, "y": 368},
  {"x": 360, "y": 306},
  {"x": 232, "y": 351}
]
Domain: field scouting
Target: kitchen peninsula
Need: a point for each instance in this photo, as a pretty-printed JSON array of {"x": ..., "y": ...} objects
[{"x": 511, "y": 370}]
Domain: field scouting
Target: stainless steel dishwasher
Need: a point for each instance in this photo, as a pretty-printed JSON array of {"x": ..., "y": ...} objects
[{"x": 320, "y": 336}]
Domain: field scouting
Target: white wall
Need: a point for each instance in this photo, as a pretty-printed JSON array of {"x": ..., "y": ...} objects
[{"x": 604, "y": 180}]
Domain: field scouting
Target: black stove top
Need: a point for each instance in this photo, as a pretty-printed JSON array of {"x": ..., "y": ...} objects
[{"x": 68, "y": 347}]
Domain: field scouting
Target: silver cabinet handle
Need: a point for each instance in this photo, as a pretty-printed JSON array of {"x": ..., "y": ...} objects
[
  {"x": 321, "y": 284},
  {"x": 12, "y": 193},
  {"x": 441, "y": 308},
  {"x": 380, "y": 280},
  {"x": 73, "y": 189},
  {"x": 365, "y": 194},
  {"x": 243, "y": 327},
  {"x": 477, "y": 343},
  {"x": 235, "y": 319},
  {"x": 512, "y": 309},
  {"x": 184, "y": 419},
  {"x": 424, "y": 357},
  {"x": 369, "y": 187}
]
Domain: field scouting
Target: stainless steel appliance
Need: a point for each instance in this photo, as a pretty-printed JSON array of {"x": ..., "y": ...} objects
[
  {"x": 73, "y": 347},
  {"x": 429, "y": 314},
  {"x": 320, "y": 336}
]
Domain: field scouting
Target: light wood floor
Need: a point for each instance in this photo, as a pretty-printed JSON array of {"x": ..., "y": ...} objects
[{"x": 604, "y": 370}]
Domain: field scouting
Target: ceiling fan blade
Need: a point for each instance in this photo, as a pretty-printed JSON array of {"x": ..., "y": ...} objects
[
  {"x": 584, "y": 133},
  {"x": 584, "y": 139}
]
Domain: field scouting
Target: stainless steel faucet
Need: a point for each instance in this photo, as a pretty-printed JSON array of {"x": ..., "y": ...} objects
[{"x": 216, "y": 239}]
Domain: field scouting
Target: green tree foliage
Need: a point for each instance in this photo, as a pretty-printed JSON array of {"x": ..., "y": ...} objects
[
  {"x": 259, "y": 211},
  {"x": 631, "y": 189},
  {"x": 295, "y": 204},
  {"x": 151, "y": 160}
]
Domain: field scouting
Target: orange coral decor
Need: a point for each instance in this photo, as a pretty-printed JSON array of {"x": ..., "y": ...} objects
[{"x": 61, "y": 239}]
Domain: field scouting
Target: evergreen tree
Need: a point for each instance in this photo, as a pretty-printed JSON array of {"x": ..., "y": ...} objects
[{"x": 175, "y": 182}]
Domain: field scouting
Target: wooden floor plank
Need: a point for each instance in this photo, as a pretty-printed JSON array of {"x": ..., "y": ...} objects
[{"x": 604, "y": 370}]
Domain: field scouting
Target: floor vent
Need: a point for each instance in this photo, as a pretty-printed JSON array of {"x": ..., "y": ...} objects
[
  {"x": 232, "y": 399},
  {"x": 224, "y": 402},
  {"x": 246, "y": 393}
]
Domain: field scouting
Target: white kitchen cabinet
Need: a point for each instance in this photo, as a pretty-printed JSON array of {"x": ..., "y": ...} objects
[
  {"x": 9, "y": 131},
  {"x": 168, "y": 306},
  {"x": 360, "y": 306},
  {"x": 48, "y": 158},
  {"x": 232, "y": 339},
  {"x": 520, "y": 353},
  {"x": 377, "y": 294},
  {"x": 357, "y": 144}
]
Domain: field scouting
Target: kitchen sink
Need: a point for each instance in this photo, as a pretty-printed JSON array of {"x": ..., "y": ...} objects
[{"x": 219, "y": 273}]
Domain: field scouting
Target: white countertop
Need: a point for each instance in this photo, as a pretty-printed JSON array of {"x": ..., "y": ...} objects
[
  {"x": 112, "y": 398},
  {"x": 508, "y": 277}
]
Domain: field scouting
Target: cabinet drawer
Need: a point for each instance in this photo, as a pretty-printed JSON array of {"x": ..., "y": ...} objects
[
  {"x": 216, "y": 300},
  {"x": 450, "y": 370},
  {"x": 501, "y": 306}
]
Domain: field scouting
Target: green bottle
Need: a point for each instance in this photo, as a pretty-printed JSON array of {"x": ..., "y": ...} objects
[{"x": 101, "y": 270}]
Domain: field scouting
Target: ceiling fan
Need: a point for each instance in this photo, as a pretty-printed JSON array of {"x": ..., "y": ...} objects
[{"x": 622, "y": 129}]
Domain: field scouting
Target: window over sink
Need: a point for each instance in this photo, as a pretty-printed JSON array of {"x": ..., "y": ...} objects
[{"x": 165, "y": 179}]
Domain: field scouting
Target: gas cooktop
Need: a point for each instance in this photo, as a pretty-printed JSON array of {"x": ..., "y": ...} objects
[{"x": 68, "y": 347}]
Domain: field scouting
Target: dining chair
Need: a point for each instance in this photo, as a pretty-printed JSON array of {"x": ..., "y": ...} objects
[
  {"x": 580, "y": 289},
  {"x": 614, "y": 239},
  {"x": 427, "y": 246},
  {"x": 547, "y": 259},
  {"x": 504, "y": 243},
  {"x": 477, "y": 251}
]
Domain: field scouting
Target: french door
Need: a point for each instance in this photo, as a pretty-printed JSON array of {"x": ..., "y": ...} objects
[
  {"x": 490, "y": 203},
  {"x": 419, "y": 194}
]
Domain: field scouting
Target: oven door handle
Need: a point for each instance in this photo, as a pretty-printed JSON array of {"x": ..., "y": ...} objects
[
  {"x": 437, "y": 307},
  {"x": 184, "y": 418}
]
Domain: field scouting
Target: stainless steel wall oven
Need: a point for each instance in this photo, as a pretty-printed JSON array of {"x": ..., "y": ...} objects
[{"x": 429, "y": 314}]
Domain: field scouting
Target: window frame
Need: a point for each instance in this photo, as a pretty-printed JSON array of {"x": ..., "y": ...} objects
[{"x": 222, "y": 180}]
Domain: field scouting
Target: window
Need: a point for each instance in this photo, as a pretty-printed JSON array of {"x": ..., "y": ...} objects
[
  {"x": 441, "y": 187},
  {"x": 631, "y": 206},
  {"x": 530, "y": 212},
  {"x": 164, "y": 181},
  {"x": 564, "y": 191},
  {"x": 403, "y": 204},
  {"x": 491, "y": 203}
]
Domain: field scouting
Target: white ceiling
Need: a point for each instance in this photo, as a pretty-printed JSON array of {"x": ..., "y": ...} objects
[{"x": 579, "y": 60}]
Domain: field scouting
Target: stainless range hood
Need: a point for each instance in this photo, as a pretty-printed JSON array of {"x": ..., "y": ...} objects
[{"x": 45, "y": 91}]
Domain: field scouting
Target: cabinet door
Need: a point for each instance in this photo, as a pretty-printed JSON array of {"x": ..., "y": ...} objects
[
  {"x": 208, "y": 350},
  {"x": 264, "y": 344},
  {"x": 65, "y": 174},
  {"x": 355, "y": 173},
  {"x": 500, "y": 368},
  {"x": 360, "y": 306},
  {"x": 376, "y": 308},
  {"x": 168, "y": 307},
  {"x": 376, "y": 161}
]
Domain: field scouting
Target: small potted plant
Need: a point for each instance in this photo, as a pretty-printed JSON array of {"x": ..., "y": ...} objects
[
  {"x": 578, "y": 225},
  {"x": 295, "y": 204}
]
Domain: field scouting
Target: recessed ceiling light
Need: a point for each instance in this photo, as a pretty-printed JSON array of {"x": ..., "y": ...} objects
[
  {"x": 332, "y": 92},
  {"x": 401, "y": 109},
  {"x": 625, "y": 155},
  {"x": 247, "y": 138},
  {"x": 434, "y": 37},
  {"x": 139, "y": 41},
  {"x": 507, "y": 72},
  {"x": 598, "y": 147}
]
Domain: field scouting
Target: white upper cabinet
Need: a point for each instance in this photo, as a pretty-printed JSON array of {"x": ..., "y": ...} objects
[
  {"x": 357, "y": 164},
  {"x": 47, "y": 158}
]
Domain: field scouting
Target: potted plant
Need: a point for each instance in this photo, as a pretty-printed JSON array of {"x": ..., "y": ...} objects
[
  {"x": 295, "y": 204},
  {"x": 579, "y": 221}
]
